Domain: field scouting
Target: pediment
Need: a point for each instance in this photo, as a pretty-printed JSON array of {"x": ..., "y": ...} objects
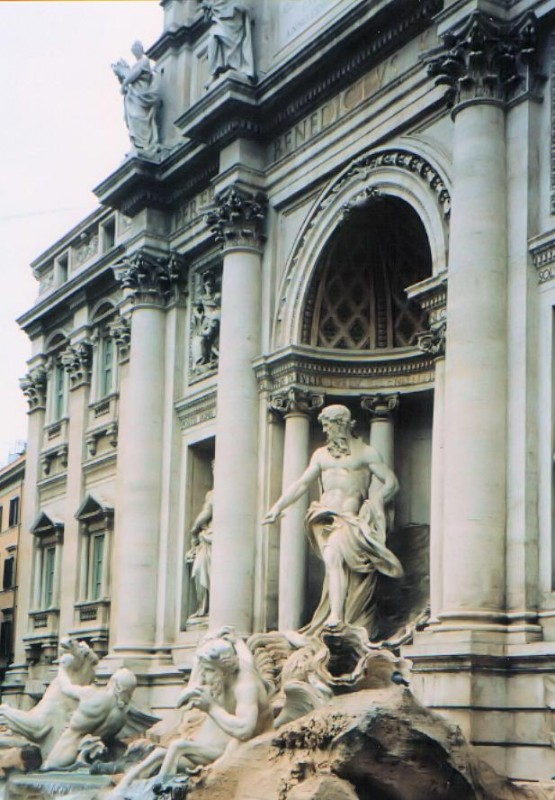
[
  {"x": 47, "y": 524},
  {"x": 93, "y": 508}
]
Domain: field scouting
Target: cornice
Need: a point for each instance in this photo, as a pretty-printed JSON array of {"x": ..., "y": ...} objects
[
  {"x": 139, "y": 184},
  {"x": 65, "y": 292},
  {"x": 175, "y": 38}
]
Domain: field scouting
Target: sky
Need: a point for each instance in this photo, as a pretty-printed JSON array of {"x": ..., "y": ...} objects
[{"x": 62, "y": 132}]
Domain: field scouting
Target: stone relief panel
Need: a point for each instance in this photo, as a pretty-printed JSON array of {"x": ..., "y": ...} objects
[{"x": 205, "y": 323}]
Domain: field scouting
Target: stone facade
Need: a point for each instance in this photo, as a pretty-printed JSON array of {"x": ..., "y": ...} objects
[
  {"x": 364, "y": 218},
  {"x": 12, "y": 479}
]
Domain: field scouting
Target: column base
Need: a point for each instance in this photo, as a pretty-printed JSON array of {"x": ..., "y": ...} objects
[{"x": 494, "y": 687}]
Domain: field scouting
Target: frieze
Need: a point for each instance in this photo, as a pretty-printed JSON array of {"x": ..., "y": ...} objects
[
  {"x": 303, "y": 371},
  {"x": 192, "y": 210},
  {"x": 196, "y": 411}
]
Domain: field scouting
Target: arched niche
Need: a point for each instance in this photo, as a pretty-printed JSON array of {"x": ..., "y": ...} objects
[{"x": 402, "y": 177}]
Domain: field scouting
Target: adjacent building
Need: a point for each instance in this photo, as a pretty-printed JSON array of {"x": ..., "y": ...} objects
[
  {"x": 367, "y": 220},
  {"x": 12, "y": 480}
]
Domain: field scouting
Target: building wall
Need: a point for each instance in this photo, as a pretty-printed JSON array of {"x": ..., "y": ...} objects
[
  {"x": 12, "y": 479},
  {"x": 127, "y": 410}
]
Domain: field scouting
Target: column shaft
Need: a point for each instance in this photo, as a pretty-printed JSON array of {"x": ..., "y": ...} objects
[
  {"x": 139, "y": 472},
  {"x": 236, "y": 467},
  {"x": 476, "y": 373},
  {"x": 293, "y": 542},
  {"x": 436, "y": 504}
]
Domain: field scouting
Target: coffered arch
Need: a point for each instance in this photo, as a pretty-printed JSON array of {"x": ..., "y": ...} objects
[{"x": 405, "y": 171}]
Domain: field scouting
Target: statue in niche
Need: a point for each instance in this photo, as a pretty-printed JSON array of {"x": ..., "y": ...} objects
[
  {"x": 141, "y": 101},
  {"x": 348, "y": 525},
  {"x": 101, "y": 712},
  {"x": 227, "y": 688},
  {"x": 230, "y": 42},
  {"x": 206, "y": 324},
  {"x": 199, "y": 555}
]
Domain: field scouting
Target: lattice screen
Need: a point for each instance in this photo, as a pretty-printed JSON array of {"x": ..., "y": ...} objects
[{"x": 357, "y": 300}]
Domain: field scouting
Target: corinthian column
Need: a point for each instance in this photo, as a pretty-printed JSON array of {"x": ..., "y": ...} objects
[
  {"x": 483, "y": 63},
  {"x": 296, "y": 407},
  {"x": 150, "y": 281},
  {"x": 237, "y": 222}
]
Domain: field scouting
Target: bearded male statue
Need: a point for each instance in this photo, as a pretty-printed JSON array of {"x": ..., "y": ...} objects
[{"x": 347, "y": 527}]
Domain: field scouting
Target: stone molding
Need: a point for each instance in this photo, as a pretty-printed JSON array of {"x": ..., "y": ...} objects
[
  {"x": 433, "y": 340},
  {"x": 151, "y": 279},
  {"x": 196, "y": 410},
  {"x": 296, "y": 402},
  {"x": 120, "y": 331},
  {"x": 237, "y": 218},
  {"x": 380, "y": 406},
  {"x": 76, "y": 360},
  {"x": 486, "y": 60},
  {"x": 109, "y": 431},
  {"x": 305, "y": 369},
  {"x": 543, "y": 258},
  {"x": 33, "y": 386},
  {"x": 59, "y": 454}
]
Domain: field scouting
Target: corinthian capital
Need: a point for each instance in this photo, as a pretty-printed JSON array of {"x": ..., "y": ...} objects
[
  {"x": 33, "y": 386},
  {"x": 486, "y": 59},
  {"x": 120, "y": 331},
  {"x": 381, "y": 406},
  {"x": 152, "y": 279},
  {"x": 295, "y": 401},
  {"x": 237, "y": 218},
  {"x": 76, "y": 360}
]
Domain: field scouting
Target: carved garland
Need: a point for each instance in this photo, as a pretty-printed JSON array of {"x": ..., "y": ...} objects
[{"x": 360, "y": 171}]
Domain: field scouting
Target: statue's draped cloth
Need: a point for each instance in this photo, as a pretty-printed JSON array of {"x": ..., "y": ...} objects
[
  {"x": 359, "y": 540},
  {"x": 231, "y": 34}
]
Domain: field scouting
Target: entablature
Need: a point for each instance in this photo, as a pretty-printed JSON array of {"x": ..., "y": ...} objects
[{"x": 343, "y": 372}]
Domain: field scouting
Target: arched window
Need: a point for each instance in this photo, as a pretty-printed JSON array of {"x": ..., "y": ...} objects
[{"x": 357, "y": 299}]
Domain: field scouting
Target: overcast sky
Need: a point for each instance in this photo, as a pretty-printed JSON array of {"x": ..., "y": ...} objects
[{"x": 62, "y": 132}]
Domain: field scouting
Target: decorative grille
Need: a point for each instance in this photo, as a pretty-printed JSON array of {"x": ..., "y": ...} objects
[{"x": 357, "y": 300}]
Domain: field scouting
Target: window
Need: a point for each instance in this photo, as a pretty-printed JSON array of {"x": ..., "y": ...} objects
[
  {"x": 59, "y": 392},
  {"x": 106, "y": 366},
  {"x": 96, "y": 518},
  {"x": 48, "y": 575},
  {"x": 6, "y": 637},
  {"x": 109, "y": 234},
  {"x": 63, "y": 269},
  {"x": 1, "y": 514},
  {"x": 96, "y": 562},
  {"x": 14, "y": 512},
  {"x": 49, "y": 535},
  {"x": 8, "y": 574}
]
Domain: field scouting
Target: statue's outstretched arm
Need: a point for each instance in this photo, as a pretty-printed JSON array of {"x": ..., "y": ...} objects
[{"x": 296, "y": 490}]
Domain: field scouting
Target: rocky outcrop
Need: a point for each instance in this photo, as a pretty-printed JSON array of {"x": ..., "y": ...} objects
[{"x": 369, "y": 745}]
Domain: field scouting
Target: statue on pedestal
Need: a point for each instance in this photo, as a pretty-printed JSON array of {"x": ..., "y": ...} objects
[
  {"x": 199, "y": 554},
  {"x": 348, "y": 525},
  {"x": 230, "y": 42},
  {"x": 141, "y": 100}
]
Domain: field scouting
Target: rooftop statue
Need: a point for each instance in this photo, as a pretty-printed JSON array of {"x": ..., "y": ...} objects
[
  {"x": 200, "y": 554},
  {"x": 226, "y": 686},
  {"x": 141, "y": 100},
  {"x": 348, "y": 525},
  {"x": 101, "y": 712},
  {"x": 44, "y": 723},
  {"x": 230, "y": 42}
]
